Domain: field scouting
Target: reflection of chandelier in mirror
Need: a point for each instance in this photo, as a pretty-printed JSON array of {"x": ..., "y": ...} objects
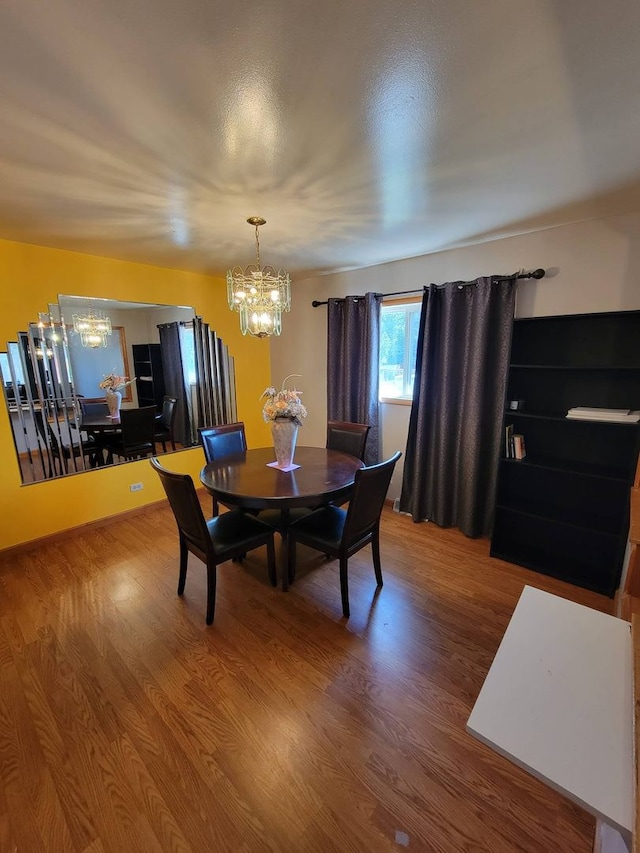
[
  {"x": 259, "y": 294},
  {"x": 43, "y": 344},
  {"x": 94, "y": 329},
  {"x": 42, "y": 350}
]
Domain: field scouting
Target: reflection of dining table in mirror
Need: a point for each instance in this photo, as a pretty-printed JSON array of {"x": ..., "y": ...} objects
[
  {"x": 99, "y": 427},
  {"x": 99, "y": 423},
  {"x": 248, "y": 481}
]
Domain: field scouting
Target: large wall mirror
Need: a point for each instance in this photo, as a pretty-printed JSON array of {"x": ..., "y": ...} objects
[{"x": 172, "y": 374}]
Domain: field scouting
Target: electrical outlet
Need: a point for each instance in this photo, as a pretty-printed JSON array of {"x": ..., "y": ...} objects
[
  {"x": 396, "y": 504},
  {"x": 136, "y": 487}
]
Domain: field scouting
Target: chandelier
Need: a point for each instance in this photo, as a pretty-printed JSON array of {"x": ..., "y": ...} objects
[
  {"x": 259, "y": 294},
  {"x": 94, "y": 329}
]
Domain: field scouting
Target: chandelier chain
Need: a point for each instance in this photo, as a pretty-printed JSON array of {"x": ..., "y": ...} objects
[{"x": 257, "y": 247}]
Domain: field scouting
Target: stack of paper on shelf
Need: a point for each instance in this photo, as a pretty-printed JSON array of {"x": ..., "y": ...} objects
[{"x": 617, "y": 416}]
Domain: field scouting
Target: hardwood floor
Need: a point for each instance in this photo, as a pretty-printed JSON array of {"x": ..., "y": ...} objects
[
  {"x": 127, "y": 725},
  {"x": 34, "y": 469}
]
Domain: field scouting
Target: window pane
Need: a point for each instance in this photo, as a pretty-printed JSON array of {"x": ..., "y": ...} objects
[
  {"x": 187, "y": 351},
  {"x": 414, "y": 325},
  {"x": 398, "y": 337},
  {"x": 392, "y": 337}
]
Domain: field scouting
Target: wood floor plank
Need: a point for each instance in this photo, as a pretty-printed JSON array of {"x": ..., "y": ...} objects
[{"x": 129, "y": 726}]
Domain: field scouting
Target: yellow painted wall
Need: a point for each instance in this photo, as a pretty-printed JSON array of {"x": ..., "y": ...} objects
[{"x": 34, "y": 276}]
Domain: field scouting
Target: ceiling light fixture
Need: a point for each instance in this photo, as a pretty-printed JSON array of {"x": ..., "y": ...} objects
[
  {"x": 94, "y": 329},
  {"x": 259, "y": 294}
]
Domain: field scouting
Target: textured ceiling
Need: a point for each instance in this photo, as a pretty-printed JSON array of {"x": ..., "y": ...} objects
[{"x": 363, "y": 131}]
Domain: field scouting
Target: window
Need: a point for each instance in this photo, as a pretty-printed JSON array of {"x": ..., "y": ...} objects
[
  {"x": 11, "y": 360},
  {"x": 13, "y": 354},
  {"x": 188, "y": 353},
  {"x": 399, "y": 323}
]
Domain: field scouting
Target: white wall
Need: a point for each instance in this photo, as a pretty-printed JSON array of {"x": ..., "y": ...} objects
[{"x": 591, "y": 267}]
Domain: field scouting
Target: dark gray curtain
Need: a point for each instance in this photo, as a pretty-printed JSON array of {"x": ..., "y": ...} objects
[
  {"x": 174, "y": 379},
  {"x": 353, "y": 343},
  {"x": 455, "y": 428}
]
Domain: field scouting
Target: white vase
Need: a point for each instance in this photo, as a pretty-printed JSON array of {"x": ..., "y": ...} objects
[
  {"x": 285, "y": 434},
  {"x": 114, "y": 398}
]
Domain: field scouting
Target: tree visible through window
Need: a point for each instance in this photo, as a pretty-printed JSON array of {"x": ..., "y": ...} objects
[{"x": 399, "y": 323}]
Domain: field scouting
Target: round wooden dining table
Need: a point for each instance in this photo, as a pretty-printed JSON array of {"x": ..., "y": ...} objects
[
  {"x": 246, "y": 480},
  {"x": 99, "y": 423}
]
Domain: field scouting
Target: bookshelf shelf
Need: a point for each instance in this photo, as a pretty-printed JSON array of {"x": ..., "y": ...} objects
[
  {"x": 573, "y": 367},
  {"x": 563, "y": 509},
  {"x": 147, "y": 363},
  {"x": 558, "y": 416},
  {"x": 573, "y": 467},
  {"x": 604, "y": 525}
]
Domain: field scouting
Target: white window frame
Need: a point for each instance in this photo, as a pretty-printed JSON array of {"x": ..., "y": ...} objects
[{"x": 413, "y": 305}]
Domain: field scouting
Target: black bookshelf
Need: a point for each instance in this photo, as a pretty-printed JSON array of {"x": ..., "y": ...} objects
[
  {"x": 147, "y": 367},
  {"x": 563, "y": 509}
]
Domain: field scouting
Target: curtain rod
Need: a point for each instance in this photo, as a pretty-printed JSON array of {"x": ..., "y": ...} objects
[{"x": 539, "y": 273}]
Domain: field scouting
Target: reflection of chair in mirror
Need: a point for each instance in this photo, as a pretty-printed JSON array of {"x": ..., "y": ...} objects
[
  {"x": 220, "y": 441},
  {"x": 340, "y": 533},
  {"x": 222, "y": 538},
  {"x": 59, "y": 455},
  {"x": 96, "y": 407},
  {"x": 93, "y": 407},
  {"x": 165, "y": 422},
  {"x": 347, "y": 437},
  {"x": 137, "y": 436},
  {"x": 11, "y": 393}
]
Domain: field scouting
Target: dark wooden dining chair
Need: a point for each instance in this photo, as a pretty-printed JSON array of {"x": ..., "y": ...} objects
[
  {"x": 340, "y": 533},
  {"x": 220, "y": 441},
  {"x": 58, "y": 454},
  {"x": 136, "y": 438},
  {"x": 347, "y": 437},
  {"x": 231, "y": 534},
  {"x": 165, "y": 422}
]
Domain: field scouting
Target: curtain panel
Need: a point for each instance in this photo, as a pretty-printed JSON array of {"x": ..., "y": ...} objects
[
  {"x": 353, "y": 343},
  {"x": 174, "y": 380},
  {"x": 455, "y": 427}
]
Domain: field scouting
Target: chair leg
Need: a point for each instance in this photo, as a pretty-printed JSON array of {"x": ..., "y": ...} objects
[
  {"x": 271, "y": 562},
  {"x": 289, "y": 570},
  {"x": 344, "y": 586},
  {"x": 184, "y": 556},
  {"x": 375, "y": 550},
  {"x": 48, "y": 468},
  {"x": 211, "y": 591}
]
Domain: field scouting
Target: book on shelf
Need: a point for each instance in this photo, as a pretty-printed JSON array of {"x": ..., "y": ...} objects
[
  {"x": 617, "y": 416},
  {"x": 519, "y": 451},
  {"x": 508, "y": 441}
]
